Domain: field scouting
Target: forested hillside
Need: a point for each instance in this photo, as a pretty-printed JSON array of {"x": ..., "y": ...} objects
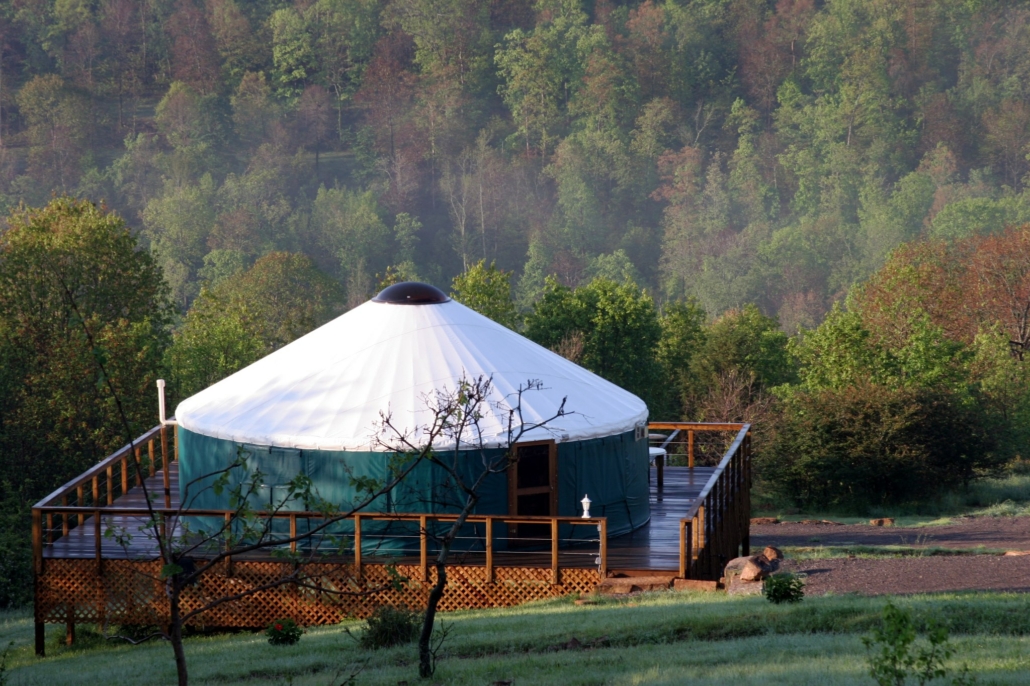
[
  {"x": 740, "y": 151},
  {"x": 811, "y": 215}
]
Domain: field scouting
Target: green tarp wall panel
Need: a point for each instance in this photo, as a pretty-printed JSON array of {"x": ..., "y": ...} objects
[{"x": 613, "y": 470}]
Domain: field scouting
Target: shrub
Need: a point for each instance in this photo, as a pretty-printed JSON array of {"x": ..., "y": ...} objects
[
  {"x": 390, "y": 626},
  {"x": 893, "y": 656},
  {"x": 283, "y": 632},
  {"x": 784, "y": 588},
  {"x": 871, "y": 445}
]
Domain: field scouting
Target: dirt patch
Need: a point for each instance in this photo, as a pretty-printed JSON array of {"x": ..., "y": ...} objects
[
  {"x": 1001, "y": 533},
  {"x": 913, "y": 574}
]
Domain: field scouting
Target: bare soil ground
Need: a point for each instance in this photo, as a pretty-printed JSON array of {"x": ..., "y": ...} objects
[
  {"x": 999, "y": 533},
  {"x": 937, "y": 573}
]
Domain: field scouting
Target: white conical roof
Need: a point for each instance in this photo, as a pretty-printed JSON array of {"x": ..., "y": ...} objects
[{"x": 327, "y": 389}]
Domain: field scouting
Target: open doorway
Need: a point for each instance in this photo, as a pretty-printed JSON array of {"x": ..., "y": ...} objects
[{"x": 533, "y": 489}]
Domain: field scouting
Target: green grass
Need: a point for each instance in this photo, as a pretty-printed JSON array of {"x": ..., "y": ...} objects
[
  {"x": 870, "y": 552},
  {"x": 651, "y": 639}
]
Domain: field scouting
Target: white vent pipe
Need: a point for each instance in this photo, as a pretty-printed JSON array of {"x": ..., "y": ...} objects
[{"x": 161, "y": 404}]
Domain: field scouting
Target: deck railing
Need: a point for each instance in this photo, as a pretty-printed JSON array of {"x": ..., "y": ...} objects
[
  {"x": 541, "y": 548},
  {"x": 716, "y": 527}
]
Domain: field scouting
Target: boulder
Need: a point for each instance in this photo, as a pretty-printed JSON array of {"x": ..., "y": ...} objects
[
  {"x": 772, "y": 553},
  {"x": 744, "y": 588},
  {"x": 754, "y": 570},
  {"x": 750, "y": 569}
]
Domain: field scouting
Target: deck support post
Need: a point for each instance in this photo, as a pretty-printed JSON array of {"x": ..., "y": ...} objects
[
  {"x": 97, "y": 540},
  {"x": 357, "y": 545},
  {"x": 423, "y": 523},
  {"x": 554, "y": 552},
  {"x": 489, "y": 550},
  {"x": 69, "y": 633},
  {"x": 37, "y": 571}
]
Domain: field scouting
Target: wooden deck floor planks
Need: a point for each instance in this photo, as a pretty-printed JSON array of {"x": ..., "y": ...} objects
[{"x": 654, "y": 547}]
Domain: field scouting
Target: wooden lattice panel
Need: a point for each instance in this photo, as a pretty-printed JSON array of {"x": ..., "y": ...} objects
[{"x": 128, "y": 592}]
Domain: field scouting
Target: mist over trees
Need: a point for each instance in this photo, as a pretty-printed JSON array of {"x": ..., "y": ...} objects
[
  {"x": 809, "y": 215},
  {"x": 735, "y": 151}
]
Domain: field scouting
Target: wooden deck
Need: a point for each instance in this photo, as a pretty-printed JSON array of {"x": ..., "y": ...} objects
[
  {"x": 654, "y": 547},
  {"x": 83, "y": 574}
]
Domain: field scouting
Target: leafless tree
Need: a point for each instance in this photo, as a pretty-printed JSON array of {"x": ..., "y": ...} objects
[{"x": 456, "y": 427}]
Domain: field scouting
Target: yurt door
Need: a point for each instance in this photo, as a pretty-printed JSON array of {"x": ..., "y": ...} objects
[{"x": 533, "y": 489}]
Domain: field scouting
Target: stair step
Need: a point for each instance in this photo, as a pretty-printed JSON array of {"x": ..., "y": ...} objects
[{"x": 634, "y": 584}]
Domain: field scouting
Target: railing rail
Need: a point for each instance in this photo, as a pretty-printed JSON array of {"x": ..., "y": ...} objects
[
  {"x": 116, "y": 474},
  {"x": 716, "y": 527},
  {"x": 491, "y": 523}
]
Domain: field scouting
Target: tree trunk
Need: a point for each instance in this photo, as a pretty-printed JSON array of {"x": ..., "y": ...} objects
[
  {"x": 425, "y": 653},
  {"x": 175, "y": 636}
]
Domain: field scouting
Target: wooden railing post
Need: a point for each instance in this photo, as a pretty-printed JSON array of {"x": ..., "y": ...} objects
[
  {"x": 139, "y": 467},
  {"x": 690, "y": 448},
  {"x": 423, "y": 522},
  {"x": 125, "y": 475},
  {"x": 49, "y": 528},
  {"x": 293, "y": 532},
  {"x": 64, "y": 516},
  {"x": 150, "y": 454},
  {"x": 489, "y": 550},
  {"x": 603, "y": 530},
  {"x": 554, "y": 552},
  {"x": 357, "y": 545},
  {"x": 110, "y": 484},
  {"x": 684, "y": 553},
  {"x": 164, "y": 465}
]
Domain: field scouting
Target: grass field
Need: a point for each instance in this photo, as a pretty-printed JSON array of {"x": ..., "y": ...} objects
[{"x": 652, "y": 639}]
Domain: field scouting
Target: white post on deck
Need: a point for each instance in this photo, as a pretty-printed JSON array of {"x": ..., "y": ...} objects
[{"x": 161, "y": 403}]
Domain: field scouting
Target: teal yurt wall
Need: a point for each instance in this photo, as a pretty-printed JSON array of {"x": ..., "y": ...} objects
[{"x": 317, "y": 406}]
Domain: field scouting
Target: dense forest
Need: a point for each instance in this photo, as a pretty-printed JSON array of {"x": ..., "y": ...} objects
[
  {"x": 737, "y": 151},
  {"x": 804, "y": 213}
]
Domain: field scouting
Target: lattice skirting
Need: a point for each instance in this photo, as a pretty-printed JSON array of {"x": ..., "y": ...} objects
[{"x": 128, "y": 592}]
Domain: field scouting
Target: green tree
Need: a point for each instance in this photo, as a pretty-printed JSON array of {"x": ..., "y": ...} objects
[
  {"x": 177, "y": 225},
  {"x": 487, "y": 290},
  {"x": 747, "y": 341},
  {"x": 612, "y": 329},
  {"x": 66, "y": 269},
  {"x": 56, "y": 130},
  {"x": 683, "y": 336},
  {"x": 243, "y": 318},
  {"x": 351, "y": 238},
  {"x": 292, "y": 52},
  {"x": 540, "y": 71},
  {"x": 871, "y": 445}
]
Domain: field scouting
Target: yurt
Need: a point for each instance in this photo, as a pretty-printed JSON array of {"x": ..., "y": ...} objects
[{"x": 314, "y": 407}]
